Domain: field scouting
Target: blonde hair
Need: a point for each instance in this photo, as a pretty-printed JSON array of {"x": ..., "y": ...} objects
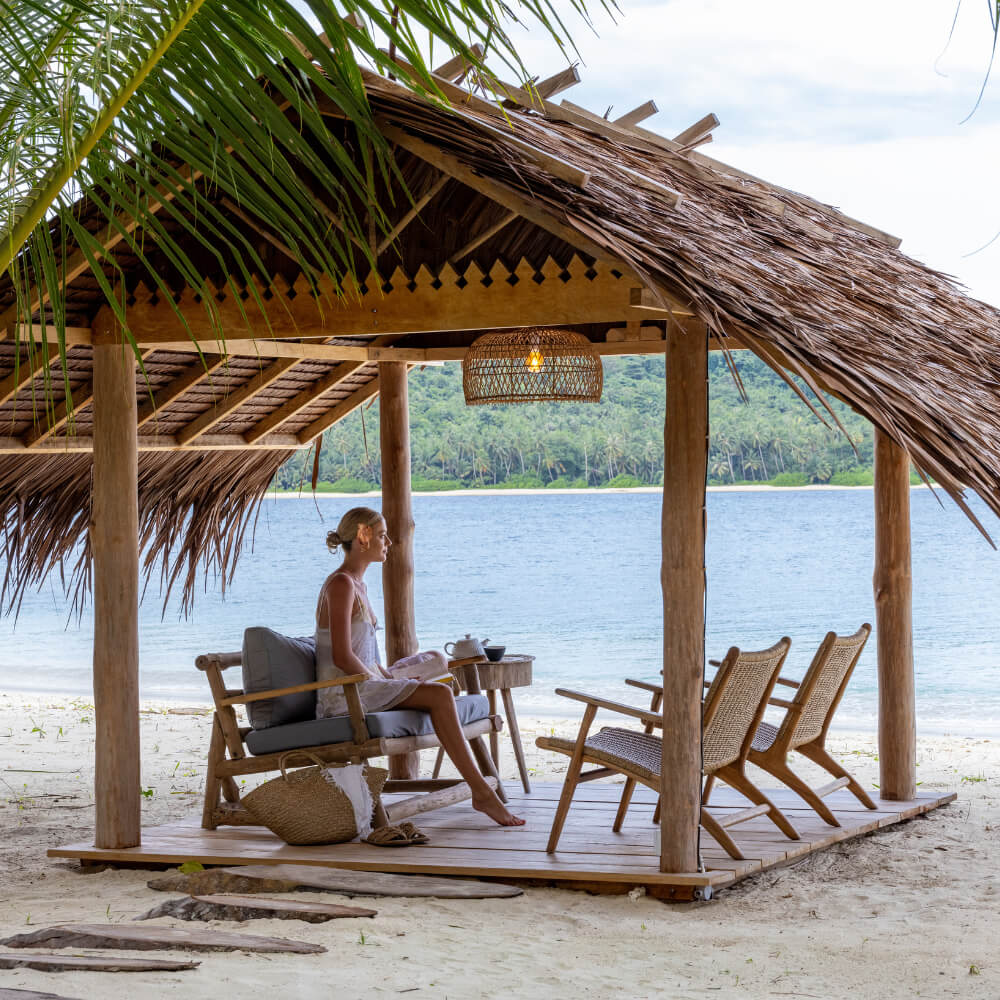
[{"x": 347, "y": 530}]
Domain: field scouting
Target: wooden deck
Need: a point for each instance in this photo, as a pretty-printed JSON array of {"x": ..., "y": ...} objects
[{"x": 590, "y": 855}]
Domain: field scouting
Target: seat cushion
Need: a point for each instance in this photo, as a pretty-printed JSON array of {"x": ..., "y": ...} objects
[
  {"x": 272, "y": 660},
  {"x": 381, "y": 725}
]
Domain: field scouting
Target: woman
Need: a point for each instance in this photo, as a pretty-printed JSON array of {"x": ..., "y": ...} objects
[{"x": 345, "y": 644}]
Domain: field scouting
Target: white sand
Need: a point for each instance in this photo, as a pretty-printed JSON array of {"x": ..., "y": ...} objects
[{"x": 907, "y": 912}]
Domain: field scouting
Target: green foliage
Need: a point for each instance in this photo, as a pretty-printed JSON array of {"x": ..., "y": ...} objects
[
  {"x": 587, "y": 444},
  {"x": 346, "y": 484},
  {"x": 789, "y": 479},
  {"x": 853, "y": 477},
  {"x": 421, "y": 484},
  {"x": 565, "y": 483},
  {"x": 623, "y": 481}
]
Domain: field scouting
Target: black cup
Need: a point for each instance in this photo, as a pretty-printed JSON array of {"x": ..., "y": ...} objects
[{"x": 494, "y": 653}]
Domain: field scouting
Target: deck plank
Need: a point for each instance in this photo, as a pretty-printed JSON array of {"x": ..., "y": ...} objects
[{"x": 589, "y": 851}]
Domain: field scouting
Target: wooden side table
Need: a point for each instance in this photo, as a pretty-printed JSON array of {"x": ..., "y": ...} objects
[{"x": 510, "y": 672}]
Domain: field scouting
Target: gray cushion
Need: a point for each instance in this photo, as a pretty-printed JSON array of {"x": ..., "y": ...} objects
[
  {"x": 272, "y": 660},
  {"x": 395, "y": 722}
]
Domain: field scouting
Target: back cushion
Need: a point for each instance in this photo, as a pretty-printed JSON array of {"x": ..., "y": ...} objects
[{"x": 272, "y": 660}]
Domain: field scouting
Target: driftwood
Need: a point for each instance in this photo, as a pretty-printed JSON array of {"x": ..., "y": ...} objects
[
  {"x": 88, "y": 963},
  {"x": 287, "y": 878},
  {"x": 232, "y": 907},
  {"x": 29, "y": 995},
  {"x": 155, "y": 938}
]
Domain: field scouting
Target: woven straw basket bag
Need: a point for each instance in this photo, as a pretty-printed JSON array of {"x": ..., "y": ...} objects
[{"x": 302, "y": 807}]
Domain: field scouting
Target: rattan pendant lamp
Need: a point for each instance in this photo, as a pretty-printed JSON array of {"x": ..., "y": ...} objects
[{"x": 532, "y": 365}]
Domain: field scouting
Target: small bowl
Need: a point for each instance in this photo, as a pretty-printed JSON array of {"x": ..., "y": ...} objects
[{"x": 494, "y": 653}]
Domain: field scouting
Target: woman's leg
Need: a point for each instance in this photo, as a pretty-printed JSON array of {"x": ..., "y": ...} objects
[{"x": 440, "y": 703}]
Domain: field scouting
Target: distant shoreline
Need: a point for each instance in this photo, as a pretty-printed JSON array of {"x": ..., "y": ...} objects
[{"x": 491, "y": 491}]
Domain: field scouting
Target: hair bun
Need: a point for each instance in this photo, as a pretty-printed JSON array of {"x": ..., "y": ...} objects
[{"x": 333, "y": 541}]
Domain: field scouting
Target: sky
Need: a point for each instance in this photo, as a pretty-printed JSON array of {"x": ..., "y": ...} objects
[{"x": 857, "y": 104}]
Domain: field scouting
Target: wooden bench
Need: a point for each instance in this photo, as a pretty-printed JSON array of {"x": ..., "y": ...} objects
[{"x": 230, "y": 758}]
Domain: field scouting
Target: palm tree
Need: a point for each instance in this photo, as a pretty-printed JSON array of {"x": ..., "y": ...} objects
[{"x": 143, "y": 107}]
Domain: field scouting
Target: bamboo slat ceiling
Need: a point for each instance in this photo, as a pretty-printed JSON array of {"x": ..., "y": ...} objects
[{"x": 540, "y": 213}]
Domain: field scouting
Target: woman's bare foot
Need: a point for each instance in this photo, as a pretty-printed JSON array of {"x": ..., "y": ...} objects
[{"x": 496, "y": 810}]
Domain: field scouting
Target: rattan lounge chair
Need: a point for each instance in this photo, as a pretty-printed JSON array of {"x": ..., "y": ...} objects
[
  {"x": 288, "y": 722},
  {"x": 731, "y": 712},
  {"x": 807, "y": 719}
]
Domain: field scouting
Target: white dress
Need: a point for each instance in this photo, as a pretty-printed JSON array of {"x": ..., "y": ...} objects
[{"x": 377, "y": 693}]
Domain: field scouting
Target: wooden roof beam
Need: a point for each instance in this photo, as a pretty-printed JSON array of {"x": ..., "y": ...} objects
[
  {"x": 75, "y": 336},
  {"x": 49, "y": 423},
  {"x": 235, "y": 400},
  {"x": 338, "y": 412},
  {"x": 699, "y": 132},
  {"x": 639, "y": 114},
  {"x": 418, "y": 206},
  {"x": 479, "y": 240},
  {"x": 151, "y": 442},
  {"x": 26, "y": 371},
  {"x": 557, "y": 83},
  {"x": 204, "y": 367},
  {"x": 457, "y": 66}
]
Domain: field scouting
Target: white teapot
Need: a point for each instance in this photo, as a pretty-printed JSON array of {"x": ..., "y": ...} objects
[{"x": 469, "y": 646}]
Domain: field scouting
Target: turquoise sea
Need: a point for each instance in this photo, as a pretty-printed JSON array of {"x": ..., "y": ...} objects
[{"x": 574, "y": 580}]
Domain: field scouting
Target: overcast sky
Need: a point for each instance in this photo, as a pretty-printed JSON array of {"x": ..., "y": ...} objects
[{"x": 859, "y": 104}]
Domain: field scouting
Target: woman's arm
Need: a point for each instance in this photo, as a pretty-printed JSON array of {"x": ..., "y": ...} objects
[{"x": 339, "y": 609}]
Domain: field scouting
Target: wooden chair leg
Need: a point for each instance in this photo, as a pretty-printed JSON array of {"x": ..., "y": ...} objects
[
  {"x": 213, "y": 784},
  {"x": 709, "y": 822},
  {"x": 572, "y": 778},
  {"x": 781, "y": 771},
  {"x": 818, "y": 755},
  {"x": 491, "y": 697},
  {"x": 486, "y": 765},
  {"x": 656, "y": 814},
  {"x": 707, "y": 790},
  {"x": 624, "y": 804},
  {"x": 438, "y": 761},
  {"x": 739, "y": 781}
]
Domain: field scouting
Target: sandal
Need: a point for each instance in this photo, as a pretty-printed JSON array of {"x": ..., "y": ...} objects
[{"x": 402, "y": 835}]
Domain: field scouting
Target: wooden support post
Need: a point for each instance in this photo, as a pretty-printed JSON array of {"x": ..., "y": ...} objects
[
  {"x": 682, "y": 576},
  {"x": 397, "y": 573},
  {"x": 893, "y": 584},
  {"x": 114, "y": 541}
]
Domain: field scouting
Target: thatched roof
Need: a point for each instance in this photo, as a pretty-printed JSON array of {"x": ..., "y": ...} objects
[{"x": 515, "y": 204}]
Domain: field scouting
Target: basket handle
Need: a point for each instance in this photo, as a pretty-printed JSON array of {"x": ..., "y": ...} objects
[{"x": 308, "y": 754}]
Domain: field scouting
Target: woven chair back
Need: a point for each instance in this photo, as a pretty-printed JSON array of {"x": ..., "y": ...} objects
[
  {"x": 735, "y": 703},
  {"x": 825, "y": 681}
]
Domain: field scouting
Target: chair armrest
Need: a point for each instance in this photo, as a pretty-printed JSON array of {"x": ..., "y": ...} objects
[
  {"x": 715, "y": 663},
  {"x": 650, "y": 718},
  {"x": 789, "y": 683},
  {"x": 244, "y": 699},
  {"x": 645, "y": 685},
  {"x": 781, "y": 702}
]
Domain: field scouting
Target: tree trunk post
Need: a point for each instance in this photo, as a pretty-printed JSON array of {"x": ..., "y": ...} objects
[
  {"x": 114, "y": 540},
  {"x": 397, "y": 509},
  {"x": 893, "y": 586},
  {"x": 682, "y": 577}
]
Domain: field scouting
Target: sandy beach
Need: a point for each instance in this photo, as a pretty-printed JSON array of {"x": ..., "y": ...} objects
[{"x": 907, "y": 912}]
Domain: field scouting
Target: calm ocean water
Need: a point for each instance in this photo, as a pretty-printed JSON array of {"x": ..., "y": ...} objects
[{"x": 574, "y": 579}]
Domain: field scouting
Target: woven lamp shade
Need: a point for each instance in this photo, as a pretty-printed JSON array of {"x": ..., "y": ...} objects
[{"x": 534, "y": 365}]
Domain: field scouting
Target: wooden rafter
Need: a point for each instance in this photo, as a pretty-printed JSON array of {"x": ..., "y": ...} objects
[
  {"x": 203, "y": 368},
  {"x": 263, "y": 233},
  {"x": 697, "y": 133},
  {"x": 639, "y": 114},
  {"x": 308, "y": 396},
  {"x": 456, "y": 67},
  {"x": 41, "y": 358},
  {"x": 207, "y": 420},
  {"x": 152, "y": 442},
  {"x": 46, "y": 424},
  {"x": 421, "y": 203},
  {"x": 558, "y": 82},
  {"x": 338, "y": 412},
  {"x": 485, "y": 235}
]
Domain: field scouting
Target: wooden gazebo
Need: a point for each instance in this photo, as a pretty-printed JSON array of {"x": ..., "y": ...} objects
[{"x": 537, "y": 213}]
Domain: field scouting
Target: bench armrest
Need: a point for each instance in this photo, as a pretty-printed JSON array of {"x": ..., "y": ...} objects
[
  {"x": 649, "y": 718},
  {"x": 244, "y": 699}
]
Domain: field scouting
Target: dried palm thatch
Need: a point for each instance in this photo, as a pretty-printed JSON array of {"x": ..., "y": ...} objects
[
  {"x": 532, "y": 365},
  {"x": 194, "y": 512},
  {"x": 793, "y": 281}
]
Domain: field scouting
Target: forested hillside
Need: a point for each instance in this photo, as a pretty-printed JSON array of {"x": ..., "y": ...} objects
[{"x": 618, "y": 441}]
